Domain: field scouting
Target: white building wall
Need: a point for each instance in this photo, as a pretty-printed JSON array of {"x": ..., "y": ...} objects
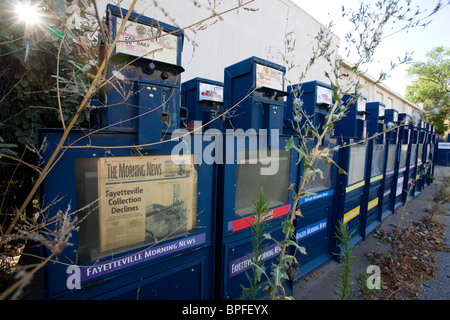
[{"x": 258, "y": 30}]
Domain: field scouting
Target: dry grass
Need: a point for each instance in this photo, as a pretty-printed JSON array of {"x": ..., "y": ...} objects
[{"x": 411, "y": 260}]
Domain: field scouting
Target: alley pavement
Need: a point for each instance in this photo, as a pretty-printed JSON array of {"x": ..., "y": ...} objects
[{"x": 318, "y": 285}]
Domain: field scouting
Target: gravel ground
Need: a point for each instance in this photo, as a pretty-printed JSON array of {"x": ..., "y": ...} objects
[{"x": 439, "y": 287}]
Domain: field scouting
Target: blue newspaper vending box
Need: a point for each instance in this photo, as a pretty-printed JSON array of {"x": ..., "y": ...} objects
[
  {"x": 313, "y": 100},
  {"x": 442, "y": 150},
  {"x": 376, "y": 156},
  {"x": 401, "y": 163},
  {"x": 254, "y": 157},
  {"x": 443, "y": 154},
  {"x": 151, "y": 109},
  {"x": 411, "y": 161},
  {"x": 202, "y": 100},
  {"x": 421, "y": 158},
  {"x": 254, "y": 96},
  {"x": 427, "y": 154},
  {"x": 143, "y": 217},
  {"x": 391, "y": 150},
  {"x": 350, "y": 130},
  {"x": 433, "y": 152}
]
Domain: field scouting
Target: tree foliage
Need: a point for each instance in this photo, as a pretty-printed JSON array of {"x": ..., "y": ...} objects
[
  {"x": 48, "y": 66},
  {"x": 45, "y": 69},
  {"x": 431, "y": 87}
]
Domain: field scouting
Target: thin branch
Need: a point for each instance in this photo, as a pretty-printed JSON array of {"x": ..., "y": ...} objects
[
  {"x": 11, "y": 41},
  {"x": 17, "y": 284},
  {"x": 2, "y": 155},
  {"x": 57, "y": 85},
  {"x": 7, "y": 94},
  {"x": 102, "y": 30}
]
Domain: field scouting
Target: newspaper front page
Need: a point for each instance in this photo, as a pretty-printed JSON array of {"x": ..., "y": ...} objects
[{"x": 145, "y": 199}]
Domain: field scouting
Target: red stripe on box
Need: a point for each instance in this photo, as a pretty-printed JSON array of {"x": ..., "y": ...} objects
[{"x": 248, "y": 221}]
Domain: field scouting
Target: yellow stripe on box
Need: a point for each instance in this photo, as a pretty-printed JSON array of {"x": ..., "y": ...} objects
[
  {"x": 351, "y": 214},
  {"x": 376, "y": 178},
  {"x": 355, "y": 186},
  {"x": 372, "y": 204}
]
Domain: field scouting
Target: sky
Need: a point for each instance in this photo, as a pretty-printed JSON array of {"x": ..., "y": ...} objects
[{"x": 418, "y": 40}]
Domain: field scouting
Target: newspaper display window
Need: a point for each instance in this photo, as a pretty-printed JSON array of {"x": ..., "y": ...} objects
[
  {"x": 420, "y": 155},
  {"x": 249, "y": 180},
  {"x": 357, "y": 164},
  {"x": 403, "y": 154},
  {"x": 412, "y": 161},
  {"x": 392, "y": 148},
  {"x": 131, "y": 201},
  {"x": 377, "y": 160},
  {"x": 318, "y": 184}
]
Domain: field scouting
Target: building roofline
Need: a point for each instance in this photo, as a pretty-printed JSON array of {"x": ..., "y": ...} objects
[{"x": 368, "y": 77}]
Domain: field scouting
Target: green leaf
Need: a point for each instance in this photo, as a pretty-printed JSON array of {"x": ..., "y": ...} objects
[
  {"x": 260, "y": 270},
  {"x": 7, "y": 152},
  {"x": 291, "y": 145},
  {"x": 306, "y": 194},
  {"x": 24, "y": 83},
  {"x": 279, "y": 274},
  {"x": 267, "y": 236},
  {"x": 60, "y": 8},
  {"x": 319, "y": 172},
  {"x": 86, "y": 68},
  {"x": 310, "y": 167},
  {"x": 295, "y": 244},
  {"x": 81, "y": 118},
  {"x": 302, "y": 250},
  {"x": 288, "y": 227},
  {"x": 8, "y": 145},
  {"x": 60, "y": 79}
]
